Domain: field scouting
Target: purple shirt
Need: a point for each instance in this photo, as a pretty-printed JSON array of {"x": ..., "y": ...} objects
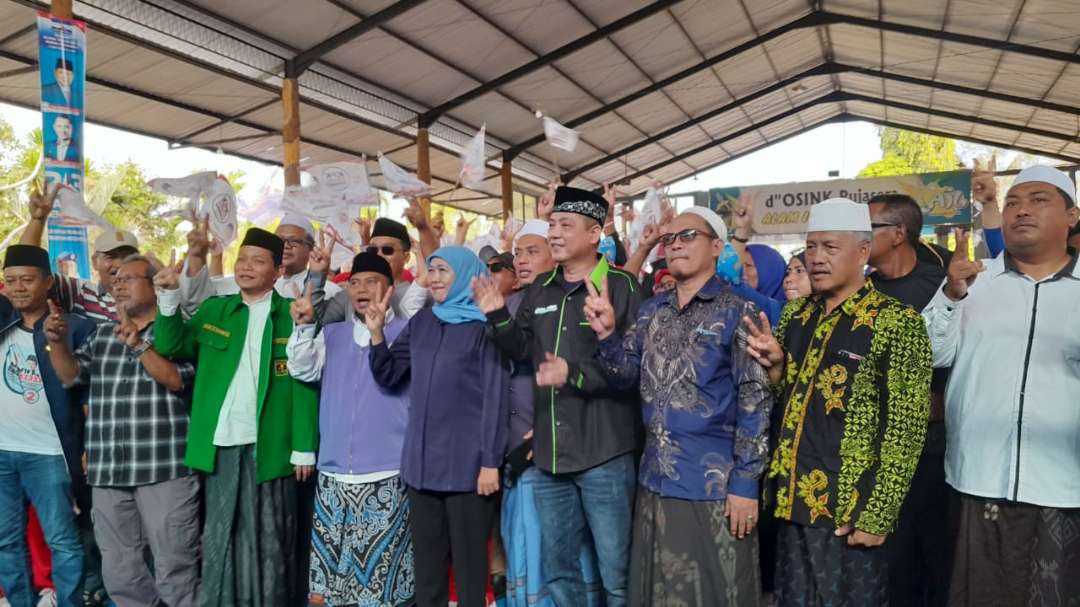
[
  {"x": 361, "y": 424},
  {"x": 458, "y": 400}
]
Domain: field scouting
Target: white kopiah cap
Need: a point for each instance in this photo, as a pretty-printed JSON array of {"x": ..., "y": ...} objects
[
  {"x": 1047, "y": 174},
  {"x": 295, "y": 219},
  {"x": 711, "y": 218},
  {"x": 839, "y": 215},
  {"x": 533, "y": 227}
]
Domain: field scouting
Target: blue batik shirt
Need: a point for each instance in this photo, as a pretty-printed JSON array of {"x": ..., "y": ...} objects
[{"x": 705, "y": 400}]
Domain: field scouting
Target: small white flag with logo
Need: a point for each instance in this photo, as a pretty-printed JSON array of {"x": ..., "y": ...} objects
[
  {"x": 472, "y": 161},
  {"x": 346, "y": 181},
  {"x": 560, "y": 136}
]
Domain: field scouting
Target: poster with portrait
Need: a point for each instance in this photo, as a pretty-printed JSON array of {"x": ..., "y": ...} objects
[{"x": 62, "y": 61}]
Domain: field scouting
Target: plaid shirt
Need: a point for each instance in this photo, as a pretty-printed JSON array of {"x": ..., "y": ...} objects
[
  {"x": 85, "y": 299},
  {"x": 136, "y": 432}
]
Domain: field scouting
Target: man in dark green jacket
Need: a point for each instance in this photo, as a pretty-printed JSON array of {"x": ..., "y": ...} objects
[{"x": 253, "y": 427}]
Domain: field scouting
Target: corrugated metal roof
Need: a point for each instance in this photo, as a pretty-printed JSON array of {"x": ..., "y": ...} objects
[{"x": 658, "y": 90}]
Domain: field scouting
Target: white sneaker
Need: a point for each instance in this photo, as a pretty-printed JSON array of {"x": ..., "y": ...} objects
[{"x": 47, "y": 598}]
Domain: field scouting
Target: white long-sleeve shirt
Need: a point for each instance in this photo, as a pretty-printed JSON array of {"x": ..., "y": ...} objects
[{"x": 1012, "y": 416}]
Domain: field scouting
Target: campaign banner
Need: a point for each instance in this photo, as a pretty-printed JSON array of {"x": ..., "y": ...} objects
[
  {"x": 785, "y": 208},
  {"x": 62, "y": 62}
]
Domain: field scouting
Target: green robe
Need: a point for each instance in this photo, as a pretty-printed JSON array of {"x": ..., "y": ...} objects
[{"x": 214, "y": 337}]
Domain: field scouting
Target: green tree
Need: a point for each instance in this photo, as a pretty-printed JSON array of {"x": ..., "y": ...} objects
[{"x": 906, "y": 152}]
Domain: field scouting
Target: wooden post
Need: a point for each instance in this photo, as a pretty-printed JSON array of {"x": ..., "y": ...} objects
[
  {"x": 62, "y": 8},
  {"x": 507, "y": 189},
  {"x": 290, "y": 130},
  {"x": 423, "y": 162}
]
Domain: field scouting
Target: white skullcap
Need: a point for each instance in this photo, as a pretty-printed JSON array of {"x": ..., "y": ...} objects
[
  {"x": 839, "y": 215},
  {"x": 295, "y": 219},
  {"x": 1050, "y": 175},
  {"x": 711, "y": 218},
  {"x": 533, "y": 227}
]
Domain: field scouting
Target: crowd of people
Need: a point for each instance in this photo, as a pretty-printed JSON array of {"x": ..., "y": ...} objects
[{"x": 874, "y": 421}]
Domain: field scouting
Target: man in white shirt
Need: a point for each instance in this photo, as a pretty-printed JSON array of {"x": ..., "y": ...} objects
[{"x": 1010, "y": 330}]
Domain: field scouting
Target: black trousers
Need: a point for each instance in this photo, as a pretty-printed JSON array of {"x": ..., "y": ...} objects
[
  {"x": 453, "y": 526},
  {"x": 919, "y": 548}
]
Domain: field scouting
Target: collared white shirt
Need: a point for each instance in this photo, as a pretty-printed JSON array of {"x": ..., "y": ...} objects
[
  {"x": 1012, "y": 416},
  {"x": 238, "y": 420}
]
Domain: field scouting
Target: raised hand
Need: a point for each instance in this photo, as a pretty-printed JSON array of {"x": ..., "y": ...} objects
[
  {"x": 486, "y": 294},
  {"x": 319, "y": 261},
  {"x": 363, "y": 227},
  {"x": 301, "y": 310},
  {"x": 650, "y": 235},
  {"x": 553, "y": 372},
  {"x": 42, "y": 197},
  {"x": 55, "y": 326},
  {"x": 984, "y": 189},
  {"x": 199, "y": 238},
  {"x": 126, "y": 330},
  {"x": 742, "y": 217},
  {"x": 168, "y": 278},
  {"x": 762, "y": 345},
  {"x": 375, "y": 314},
  {"x": 598, "y": 310},
  {"x": 417, "y": 214},
  {"x": 962, "y": 270},
  {"x": 462, "y": 228},
  {"x": 546, "y": 203}
]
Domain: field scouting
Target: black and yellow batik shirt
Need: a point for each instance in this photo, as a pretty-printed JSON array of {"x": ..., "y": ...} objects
[{"x": 855, "y": 398}]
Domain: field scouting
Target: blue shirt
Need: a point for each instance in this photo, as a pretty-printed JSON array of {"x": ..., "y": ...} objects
[{"x": 705, "y": 400}]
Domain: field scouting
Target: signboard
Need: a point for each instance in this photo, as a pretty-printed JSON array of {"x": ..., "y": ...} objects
[
  {"x": 62, "y": 61},
  {"x": 785, "y": 208}
]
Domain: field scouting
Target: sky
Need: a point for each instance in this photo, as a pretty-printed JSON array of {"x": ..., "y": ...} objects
[{"x": 843, "y": 147}]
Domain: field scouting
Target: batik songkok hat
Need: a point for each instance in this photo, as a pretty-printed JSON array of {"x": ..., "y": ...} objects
[{"x": 582, "y": 202}]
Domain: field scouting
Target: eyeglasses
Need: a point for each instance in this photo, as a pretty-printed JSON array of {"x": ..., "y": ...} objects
[
  {"x": 876, "y": 225},
  {"x": 498, "y": 266},
  {"x": 384, "y": 249},
  {"x": 687, "y": 235},
  {"x": 125, "y": 280},
  {"x": 295, "y": 242}
]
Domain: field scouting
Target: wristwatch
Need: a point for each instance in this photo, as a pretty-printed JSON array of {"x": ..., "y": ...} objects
[{"x": 140, "y": 349}]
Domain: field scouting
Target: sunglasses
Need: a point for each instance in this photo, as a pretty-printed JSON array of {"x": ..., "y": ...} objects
[
  {"x": 498, "y": 266},
  {"x": 384, "y": 249},
  {"x": 687, "y": 235}
]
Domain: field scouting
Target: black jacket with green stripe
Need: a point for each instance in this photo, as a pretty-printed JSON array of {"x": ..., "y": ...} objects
[{"x": 586, "y": 422}]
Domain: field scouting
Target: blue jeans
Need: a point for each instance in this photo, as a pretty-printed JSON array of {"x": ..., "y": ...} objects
[
  {"x": 597, "y": 502},
  {"x": 44, "y": 480}
]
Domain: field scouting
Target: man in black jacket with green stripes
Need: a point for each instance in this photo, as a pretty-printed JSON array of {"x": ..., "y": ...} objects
[{"x": 586, "y": 431}]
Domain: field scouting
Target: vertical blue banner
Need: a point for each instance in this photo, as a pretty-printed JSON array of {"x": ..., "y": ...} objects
[{"x": 62, "y": 61}]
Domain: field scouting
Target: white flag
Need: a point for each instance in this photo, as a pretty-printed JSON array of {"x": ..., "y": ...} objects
[
  {"x": 193, "y": 188},
  {"x": 472, "y": 161},
  {"x": 221, "y": 207},
  {"x": 560, "y": 136},
  {"x": 347, "y": 181},
  {"x": 400, "y": 181},
  {"x": 73, "y": 210}
]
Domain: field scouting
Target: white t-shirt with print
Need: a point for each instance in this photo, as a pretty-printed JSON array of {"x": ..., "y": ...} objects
[{"x": 27, "y": 425}]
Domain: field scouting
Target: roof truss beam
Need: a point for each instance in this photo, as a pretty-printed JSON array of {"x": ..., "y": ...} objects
[
  {"x": 298, "y": 64},
  {"x": 948, "y": 36},
  {"x": 809, "y": 20},
  {"x": 544, "y": 60}
]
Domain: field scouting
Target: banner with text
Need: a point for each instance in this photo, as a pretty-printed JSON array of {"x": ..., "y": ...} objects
[
  {"x": 785, "y": 208},
  {"x": 62, "y": 61}
]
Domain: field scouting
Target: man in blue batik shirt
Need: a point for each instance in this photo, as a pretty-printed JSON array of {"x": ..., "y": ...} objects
[{"x": 706, "y": 406}]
